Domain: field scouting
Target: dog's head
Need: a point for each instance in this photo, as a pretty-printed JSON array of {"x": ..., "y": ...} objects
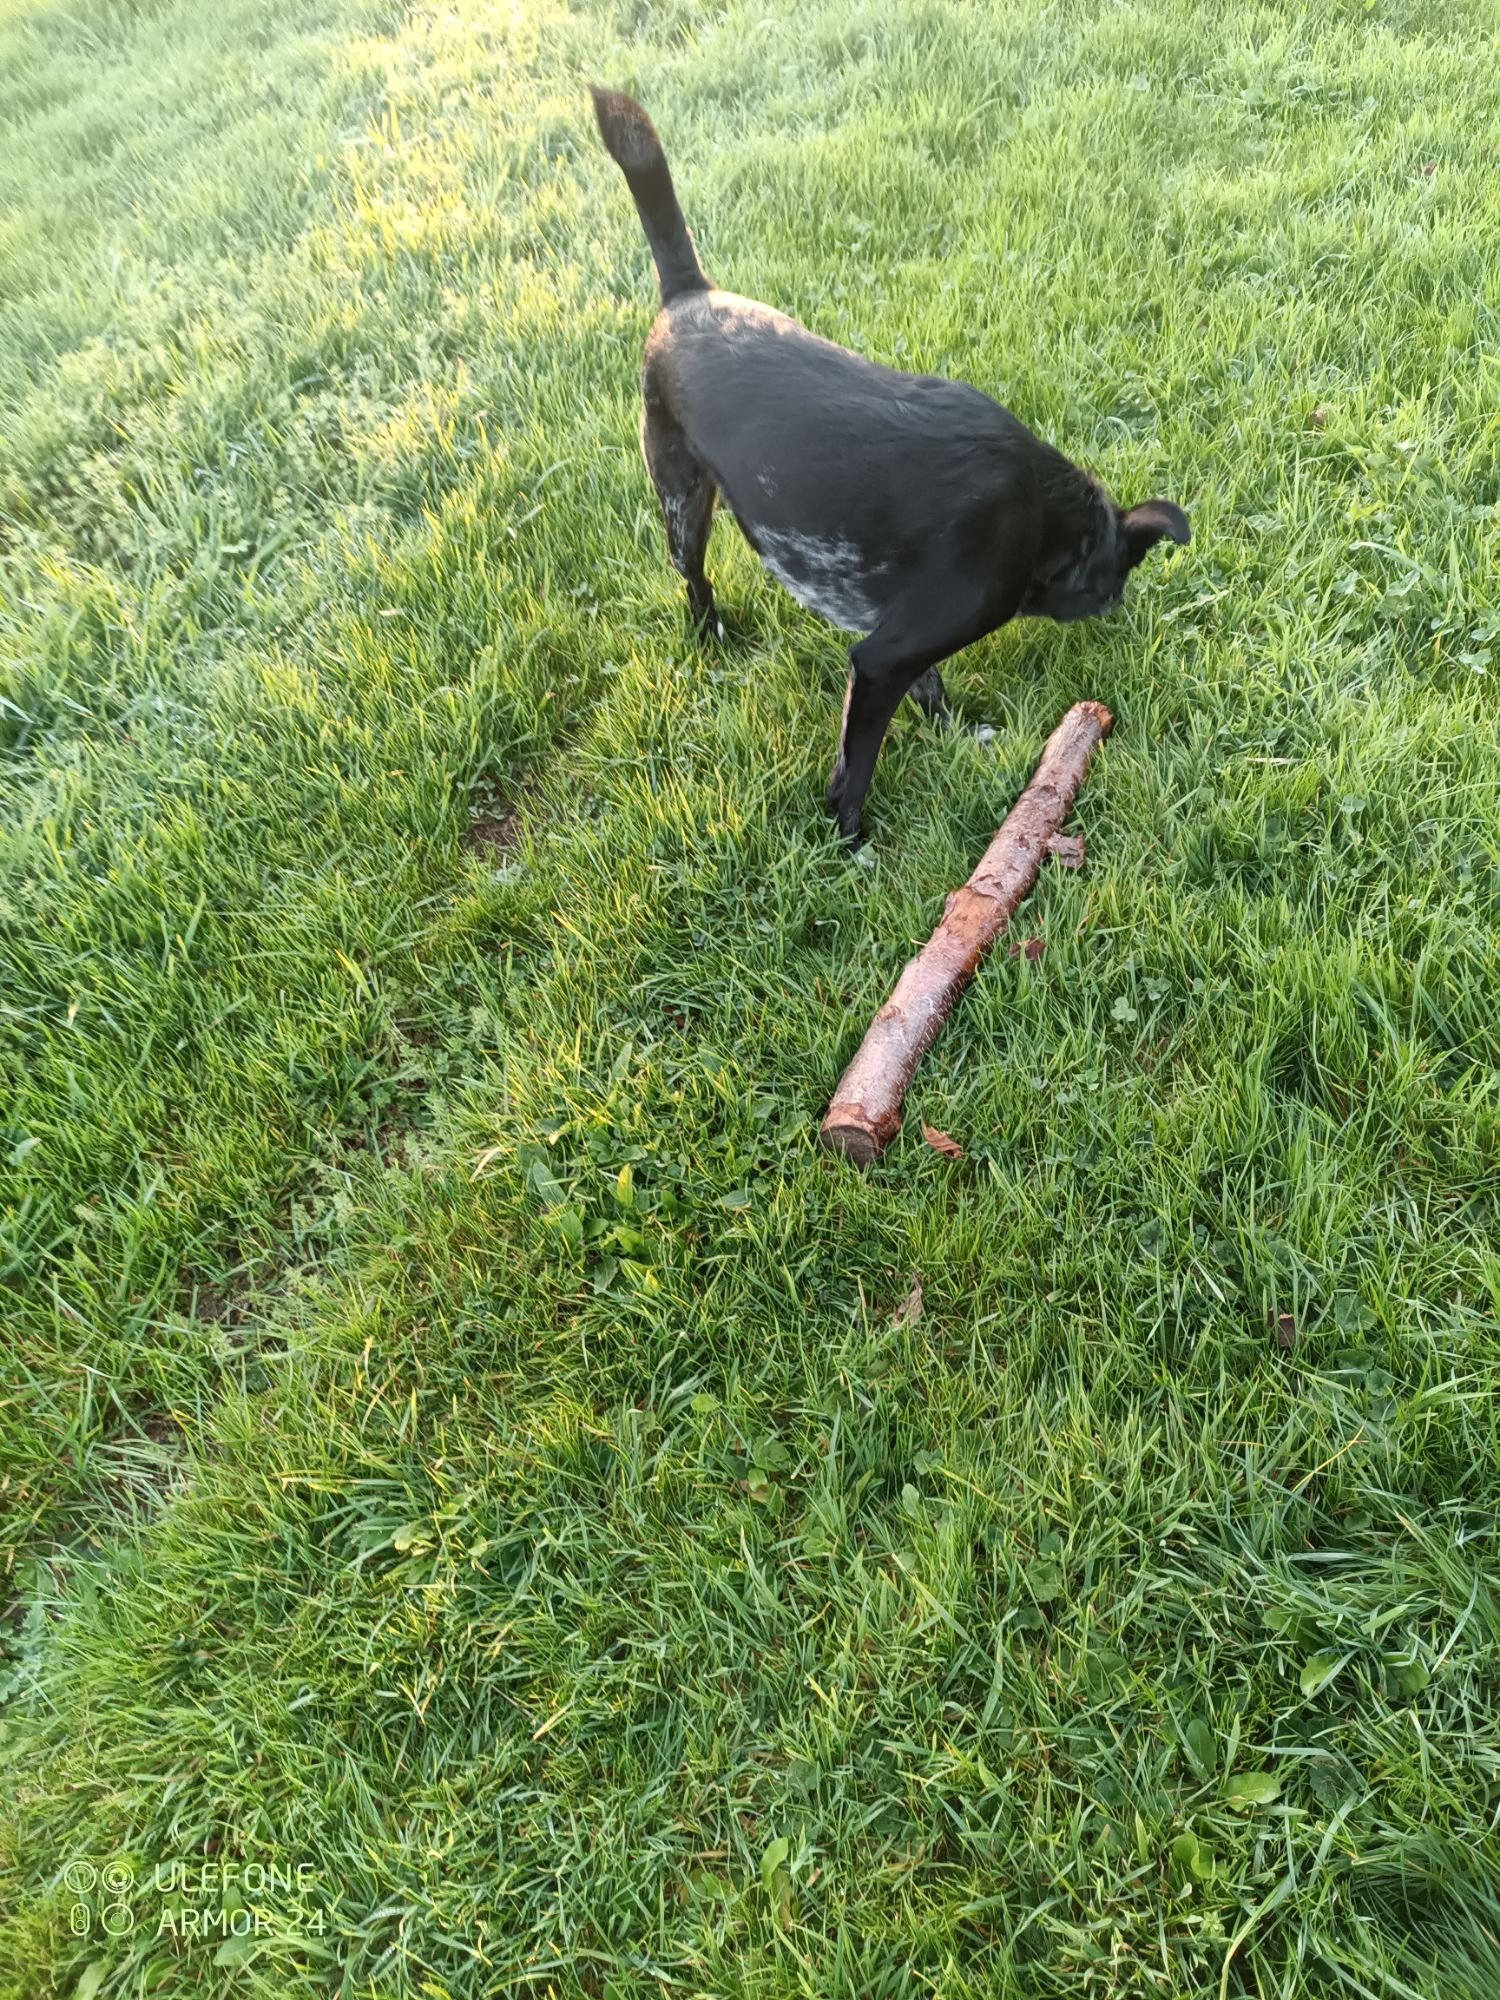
[{"x": 1091, "y": 578}]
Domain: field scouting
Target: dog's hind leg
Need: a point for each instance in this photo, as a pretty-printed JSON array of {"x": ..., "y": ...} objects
[{"x": 686, "y": 492}]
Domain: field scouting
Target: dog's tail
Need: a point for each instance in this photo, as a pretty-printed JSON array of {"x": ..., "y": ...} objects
[{"x": 631, "y": 141}]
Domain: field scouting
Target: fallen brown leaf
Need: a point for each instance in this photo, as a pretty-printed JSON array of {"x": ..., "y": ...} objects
[
  {"x": 941, "y": 1143},
  {"x": 910, "y": 1309},
  {"x": 1067, "y": 849},
  {"x": 1286, "y": 1332}
]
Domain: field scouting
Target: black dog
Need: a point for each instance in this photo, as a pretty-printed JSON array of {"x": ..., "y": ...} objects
[{"x": 908, "y": 508}]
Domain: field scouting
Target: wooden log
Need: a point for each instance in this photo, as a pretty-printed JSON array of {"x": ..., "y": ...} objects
[{"x": 865, "y": 1114}]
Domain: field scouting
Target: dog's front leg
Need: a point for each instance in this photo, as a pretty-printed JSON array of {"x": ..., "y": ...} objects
[
  {"x": 869, "y": 703},
  {"x": 915, "y": 636},
  {"x": 929, "y": 694},
  {"x": 931, "y": 697}
]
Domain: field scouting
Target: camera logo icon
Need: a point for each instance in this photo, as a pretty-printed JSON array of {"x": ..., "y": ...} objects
[{"x": 108, "y": 1886}]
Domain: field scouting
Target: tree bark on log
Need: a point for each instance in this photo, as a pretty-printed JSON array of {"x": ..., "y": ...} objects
[{"x": 865, "y": 1114}]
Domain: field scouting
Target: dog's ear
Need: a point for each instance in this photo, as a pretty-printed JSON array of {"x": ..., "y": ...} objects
[{"x": 1144, "y": 526}]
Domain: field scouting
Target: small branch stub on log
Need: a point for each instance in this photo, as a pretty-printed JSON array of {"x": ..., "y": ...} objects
[{"x": 865, "y": 1114}]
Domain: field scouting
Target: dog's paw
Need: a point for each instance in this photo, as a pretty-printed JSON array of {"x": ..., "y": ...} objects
[{"x": 714, "y": 633}]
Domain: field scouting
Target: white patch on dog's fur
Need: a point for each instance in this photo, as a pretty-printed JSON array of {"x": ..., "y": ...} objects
[
  {"x": 827, "y": 577},
  {"x": 678, "y": 512},
  {"x": 674, "y": 510}
]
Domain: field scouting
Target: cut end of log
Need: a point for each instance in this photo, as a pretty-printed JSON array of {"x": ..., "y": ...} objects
[
  {"x": 845, "y": 1130},
  {"x": 1096, "y": 712}
]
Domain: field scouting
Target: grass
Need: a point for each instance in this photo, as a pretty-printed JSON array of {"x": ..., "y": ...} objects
[{"x": 464, "y": 1453}]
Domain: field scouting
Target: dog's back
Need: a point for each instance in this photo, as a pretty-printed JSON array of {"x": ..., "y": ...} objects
[{"x": 802, "y": 437}]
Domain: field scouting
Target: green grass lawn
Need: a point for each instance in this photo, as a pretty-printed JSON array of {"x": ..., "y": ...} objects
[{"x": 462, "y": 1446}]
